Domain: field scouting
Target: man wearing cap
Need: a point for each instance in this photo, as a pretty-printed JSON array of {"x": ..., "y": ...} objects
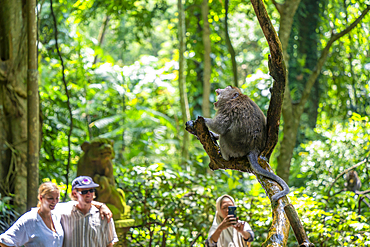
[{"x": 81, "y": 221}]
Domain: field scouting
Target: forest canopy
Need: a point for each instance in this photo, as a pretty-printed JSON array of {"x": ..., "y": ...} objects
[{"x": 132, "y": 72}]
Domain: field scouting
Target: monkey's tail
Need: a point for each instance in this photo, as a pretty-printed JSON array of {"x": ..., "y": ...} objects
[{"x": 253, "y": 160}]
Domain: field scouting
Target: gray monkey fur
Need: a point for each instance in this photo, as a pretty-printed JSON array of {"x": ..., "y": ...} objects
[
  {"x": 242, "y": 130},
  {"x": 353, "y": 182}
]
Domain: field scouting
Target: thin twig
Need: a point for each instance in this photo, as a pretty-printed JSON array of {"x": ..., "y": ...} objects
[
  {"x": 195, "y": 239},
  {"x": 362, "y": 192}
]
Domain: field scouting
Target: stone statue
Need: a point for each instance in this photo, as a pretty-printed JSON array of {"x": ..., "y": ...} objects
[{"x": 96, "y": 162}]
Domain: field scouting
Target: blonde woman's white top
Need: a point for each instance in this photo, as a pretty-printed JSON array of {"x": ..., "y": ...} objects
[{"x": 30, "y": 230}]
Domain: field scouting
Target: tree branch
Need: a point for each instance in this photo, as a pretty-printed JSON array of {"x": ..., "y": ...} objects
[
  {"x": 278, "y": 6},
  {"x": 277, "y": 71},
  {"x": 362, "y": 199},
  {"x": 278, "y": 234},
  {"x": 315, "y": 73},
  {"x": 200, "y": 130},
  {"x": 297, "y": 226}
]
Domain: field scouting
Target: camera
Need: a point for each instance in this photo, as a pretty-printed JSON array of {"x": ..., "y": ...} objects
[{"x": 231, "y": 211}]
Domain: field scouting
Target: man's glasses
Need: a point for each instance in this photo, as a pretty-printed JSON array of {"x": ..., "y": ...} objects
[{"x": 84, "y": 192}]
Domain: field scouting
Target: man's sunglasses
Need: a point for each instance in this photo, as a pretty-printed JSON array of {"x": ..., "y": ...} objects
[{"x": 84, "y": 192}]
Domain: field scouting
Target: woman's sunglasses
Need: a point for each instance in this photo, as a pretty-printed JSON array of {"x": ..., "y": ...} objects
[{"x": 84, "y": 192}]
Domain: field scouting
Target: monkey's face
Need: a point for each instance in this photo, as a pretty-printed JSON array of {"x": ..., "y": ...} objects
[{"x": 226, "y": 94}]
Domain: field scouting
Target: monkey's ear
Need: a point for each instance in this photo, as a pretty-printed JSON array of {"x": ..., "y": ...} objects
[{"x": 235, "y": 95}]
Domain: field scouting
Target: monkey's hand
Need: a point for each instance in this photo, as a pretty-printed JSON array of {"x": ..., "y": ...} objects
[{"x": 189, "y": 126}]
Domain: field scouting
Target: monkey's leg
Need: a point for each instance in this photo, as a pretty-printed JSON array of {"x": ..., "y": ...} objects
[{"x": 253, "y": 160}]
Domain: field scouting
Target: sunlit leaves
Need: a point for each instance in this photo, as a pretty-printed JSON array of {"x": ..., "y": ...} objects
[{"x": 130, "y": 96}]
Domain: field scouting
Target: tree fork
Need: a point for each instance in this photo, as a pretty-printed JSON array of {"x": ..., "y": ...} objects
[{"x": 279, "y": 231}]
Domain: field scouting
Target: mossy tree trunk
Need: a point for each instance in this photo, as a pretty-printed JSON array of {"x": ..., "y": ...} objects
[
  {"x": 32, "y": 109},
  {"x": 13, "y": 101},
  {"x": 182, "y": 81}
]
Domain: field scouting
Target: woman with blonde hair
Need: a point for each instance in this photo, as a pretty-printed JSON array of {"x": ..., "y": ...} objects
[
  {"x": 39, "y": 226},
  {"x": 226, "y": 230}
]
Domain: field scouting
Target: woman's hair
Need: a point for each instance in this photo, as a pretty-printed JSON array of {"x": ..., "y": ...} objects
[{"x": 46, "y": 188}]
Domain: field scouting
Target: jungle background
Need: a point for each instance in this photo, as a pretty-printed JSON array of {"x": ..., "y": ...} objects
[{"x": 130, "y": 71}]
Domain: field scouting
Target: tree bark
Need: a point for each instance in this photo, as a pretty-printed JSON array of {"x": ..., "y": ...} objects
[
  {"x": 308, "y": 20},
  {"x": 206, "y": 110},
  {"x": 182, "y": 82},
  {"x": 13, "y": 101},
  {"x": 287, "y": 12},
  {"x": 32, "y": 109}
]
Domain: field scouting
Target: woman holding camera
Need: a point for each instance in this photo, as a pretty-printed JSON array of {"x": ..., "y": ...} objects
[{"x": 226, "y": 230}]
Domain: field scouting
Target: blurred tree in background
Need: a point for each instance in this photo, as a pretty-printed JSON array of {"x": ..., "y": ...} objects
[{"x": 121, "y": 66}]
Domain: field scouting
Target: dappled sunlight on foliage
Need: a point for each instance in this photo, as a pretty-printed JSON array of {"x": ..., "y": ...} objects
[
  {"x": 123, "y": 85},
  {"x": 335, "y": 218},
  {"x": 339, "y": 147}
]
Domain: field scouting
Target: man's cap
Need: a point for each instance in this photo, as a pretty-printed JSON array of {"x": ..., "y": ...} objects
[{"x": 83, "y": 182}]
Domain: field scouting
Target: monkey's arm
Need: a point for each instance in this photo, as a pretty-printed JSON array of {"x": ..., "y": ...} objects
[
  {"x": 219, "y": 125},
  {"x": 253, "y": 160}
]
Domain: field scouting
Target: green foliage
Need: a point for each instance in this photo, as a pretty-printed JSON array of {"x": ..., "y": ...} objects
[
  {"x": 130, "y": 95},
  {"x": 336, "y": 224},
  {"x": 347, "y": 72},
  {"x": 334, "y": 217},
  {"x": 177, "y": 209},
  {"x": 339, "y": 147},
  {"x": 8, "y": 215},
  {"x": 247, "y": 40},
  {"x": 168, "y": 206}
]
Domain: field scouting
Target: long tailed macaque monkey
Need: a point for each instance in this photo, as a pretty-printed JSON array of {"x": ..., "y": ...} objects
[
  {"x": 242, "y": 130},
  {"x": 353, "y": 182}
]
